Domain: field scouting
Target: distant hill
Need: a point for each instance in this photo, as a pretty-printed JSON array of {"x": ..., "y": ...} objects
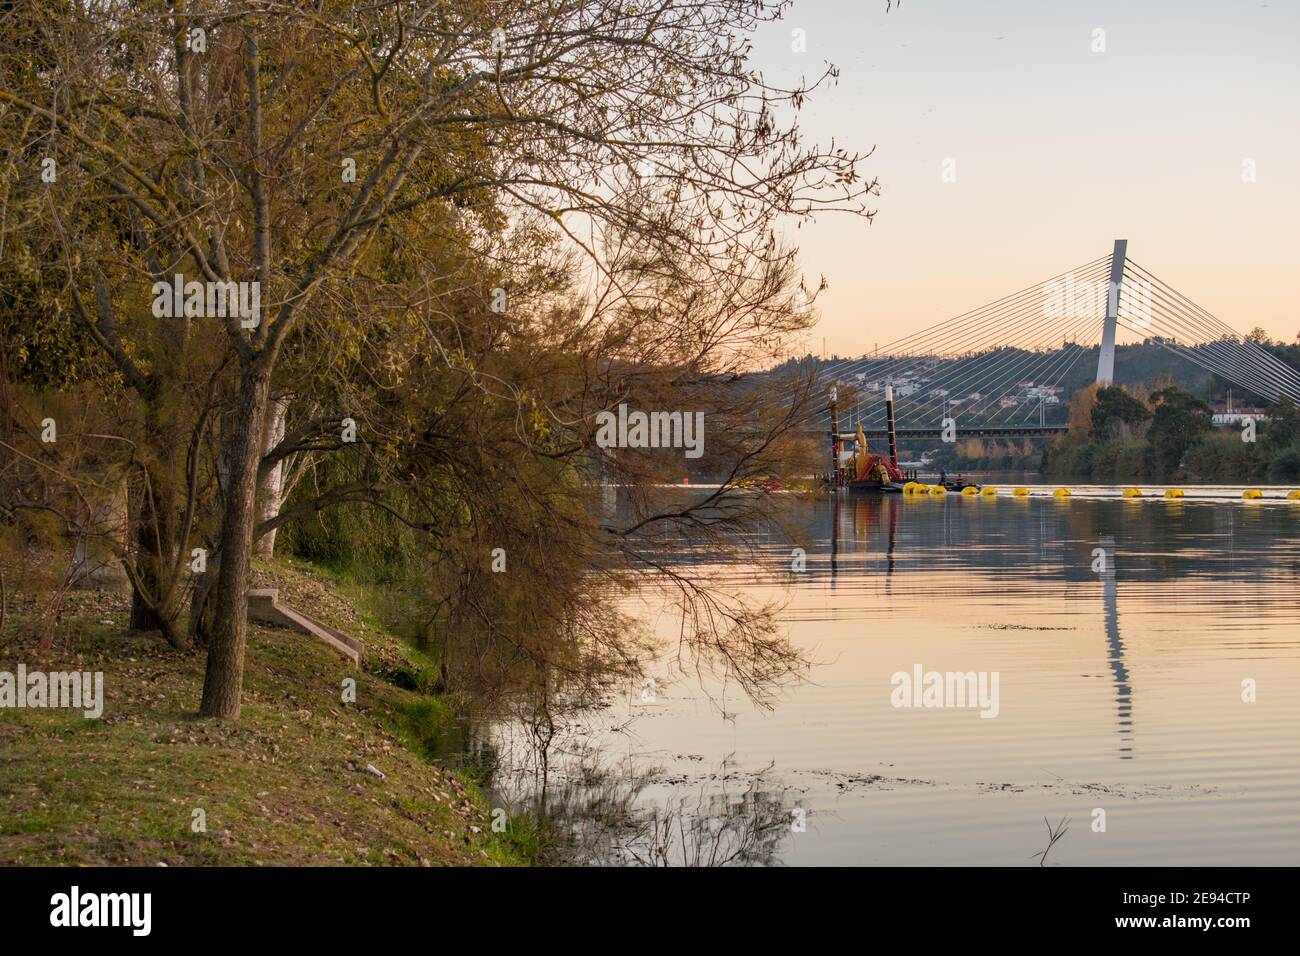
[{"x": 860, "y": 381}]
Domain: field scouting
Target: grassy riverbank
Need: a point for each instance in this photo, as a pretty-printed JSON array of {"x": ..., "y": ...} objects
[{"x": 293, "y": 782}]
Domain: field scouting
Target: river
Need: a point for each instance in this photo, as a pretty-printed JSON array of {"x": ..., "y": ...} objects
[{"x": 1147, "y": 662}]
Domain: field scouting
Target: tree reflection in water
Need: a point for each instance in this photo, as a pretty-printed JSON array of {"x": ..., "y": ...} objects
[{"x": 602, "y": 815}]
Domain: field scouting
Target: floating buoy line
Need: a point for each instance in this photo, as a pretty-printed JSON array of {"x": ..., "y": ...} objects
[{"x": 921, "y": 489}]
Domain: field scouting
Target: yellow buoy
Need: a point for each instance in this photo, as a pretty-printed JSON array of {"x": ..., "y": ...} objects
[
  {"x": 1021, "y": 492},
  {"x": 1174, "y": 493},
  {"x": 970, "y": 491},
  {"x": 907, "y": 488},
  {"x": 938, "y": 490},
  {"x": 1295, "y": 495},
  {"x": 1132, "y": 492},
  {"x": 988, "y": 491},
  {"x": 1061, "y": 493},
  {"x": 1252, "y": 493}
]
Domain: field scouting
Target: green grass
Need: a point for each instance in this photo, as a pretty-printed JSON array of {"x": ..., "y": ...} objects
[
  {"x": 527, "y": 838},
  {"x": 285, "y": 785}
]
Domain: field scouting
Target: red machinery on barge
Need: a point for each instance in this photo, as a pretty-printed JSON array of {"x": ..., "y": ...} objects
[{"x": 856, "y": 469}]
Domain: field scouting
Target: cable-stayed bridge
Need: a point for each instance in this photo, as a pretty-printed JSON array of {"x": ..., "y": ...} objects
[{"x": 997, "y": 371}]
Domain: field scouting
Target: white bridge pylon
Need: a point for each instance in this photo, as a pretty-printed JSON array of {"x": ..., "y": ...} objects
[{"x": 1106, "y": 357}]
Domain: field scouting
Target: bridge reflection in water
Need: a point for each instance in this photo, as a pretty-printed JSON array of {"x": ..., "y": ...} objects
[{"x": 1075, "y": 545}]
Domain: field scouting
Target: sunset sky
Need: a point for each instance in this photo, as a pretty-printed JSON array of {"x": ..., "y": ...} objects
[{"x": 1057, "y": 150}]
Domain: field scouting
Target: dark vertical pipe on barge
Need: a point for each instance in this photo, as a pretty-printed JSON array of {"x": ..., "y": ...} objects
[{"x": 889, "y": 424}]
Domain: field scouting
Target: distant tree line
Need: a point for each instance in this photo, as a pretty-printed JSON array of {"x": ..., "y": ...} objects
[{"x": 1166, "y": 434}]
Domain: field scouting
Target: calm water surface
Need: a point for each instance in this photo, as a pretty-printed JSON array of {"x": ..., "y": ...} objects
[{"x": 1118, "y": 691}]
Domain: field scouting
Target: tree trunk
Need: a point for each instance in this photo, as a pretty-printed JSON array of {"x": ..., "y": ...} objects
[
  {"x": 148, "y": 562},
  {"x": 224, "y": 678},
  {"x": 271, "y": 493},
  {"x": 142, "y": 616},
  {"x": 156, "y": 543},
  {"x": 200, "y": 623}
]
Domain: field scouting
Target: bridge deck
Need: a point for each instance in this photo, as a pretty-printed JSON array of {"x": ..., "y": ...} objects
[{"x": 969, "y": 431}]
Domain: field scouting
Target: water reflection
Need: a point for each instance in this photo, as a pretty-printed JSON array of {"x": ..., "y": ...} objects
[
  {"x": 1123, "y": 690},
  {"x": 623, "y": 814},
  {"x": 970, "y": 535},
  {"x": 859, "y": 517},
  {"x": 1032, "y": 588}
]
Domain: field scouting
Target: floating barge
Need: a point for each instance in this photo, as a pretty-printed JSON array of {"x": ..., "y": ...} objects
[{"x": 855, "y": 469}]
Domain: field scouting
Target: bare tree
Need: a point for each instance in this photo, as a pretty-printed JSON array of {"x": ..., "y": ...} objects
[{"x": 222, "y": 138}]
